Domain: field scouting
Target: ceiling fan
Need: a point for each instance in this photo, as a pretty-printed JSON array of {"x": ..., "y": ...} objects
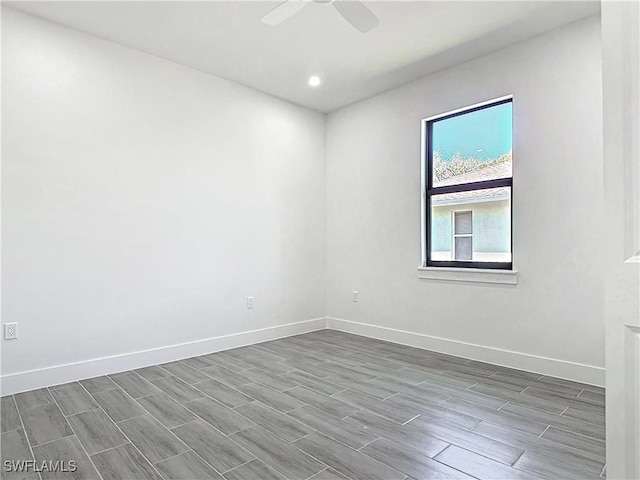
[{"x": 354, "y": 12}]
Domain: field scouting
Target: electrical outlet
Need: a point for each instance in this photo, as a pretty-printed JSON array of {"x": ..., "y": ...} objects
[
  {"x": 249, "y": 302},
  {"x": 10, "y": 331},
  {"x": 356, "y": 296}
]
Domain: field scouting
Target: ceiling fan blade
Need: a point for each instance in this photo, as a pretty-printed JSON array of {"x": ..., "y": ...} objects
[
  {"x": 356, "y": 14},
  {"x": 283, "y": 11}
]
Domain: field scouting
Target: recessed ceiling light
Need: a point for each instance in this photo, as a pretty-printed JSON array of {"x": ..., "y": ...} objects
[{"x": 314, "y": 81}]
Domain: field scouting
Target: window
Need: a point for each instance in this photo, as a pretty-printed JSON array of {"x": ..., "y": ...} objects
[
  {"x": 469, "y": 183},
  {"x": 463, "y": 235}
]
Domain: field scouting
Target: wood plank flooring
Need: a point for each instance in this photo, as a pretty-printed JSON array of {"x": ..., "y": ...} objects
[{"x": 323, "y": 405}]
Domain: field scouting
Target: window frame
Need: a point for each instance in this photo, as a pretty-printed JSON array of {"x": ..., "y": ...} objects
[{"x": 429, "y": 190}]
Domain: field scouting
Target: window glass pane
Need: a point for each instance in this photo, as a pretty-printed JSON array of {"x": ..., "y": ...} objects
[
  {"x": 463, "y": 248},
  {"x": 472, "y": 147},
  {"x": 490, "y": 230},
  {"x": 463, "y": 222}
]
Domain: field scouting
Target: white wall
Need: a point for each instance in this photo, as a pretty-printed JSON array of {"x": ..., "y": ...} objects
[
  {"x": 373, "y": 204},
  {"x": 143, "y": 201}
]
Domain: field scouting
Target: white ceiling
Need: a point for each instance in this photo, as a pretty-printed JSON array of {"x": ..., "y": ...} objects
[{"x": 227, "y": 39}]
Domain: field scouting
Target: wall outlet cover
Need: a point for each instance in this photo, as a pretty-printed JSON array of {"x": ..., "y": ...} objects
[{"x": 10, "y": 331}]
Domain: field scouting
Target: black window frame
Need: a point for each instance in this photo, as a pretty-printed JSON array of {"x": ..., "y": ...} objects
[{"x": 463, "y": 187}]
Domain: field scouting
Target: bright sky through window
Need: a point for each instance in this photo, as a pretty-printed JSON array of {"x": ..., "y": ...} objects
[{"x": 483, "y": 135}]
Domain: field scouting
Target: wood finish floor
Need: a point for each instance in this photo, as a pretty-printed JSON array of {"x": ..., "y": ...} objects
[{"x": 324, "y": 405}]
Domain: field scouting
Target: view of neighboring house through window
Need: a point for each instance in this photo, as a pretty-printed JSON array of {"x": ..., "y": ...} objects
[{"x": 469, "y": 185}]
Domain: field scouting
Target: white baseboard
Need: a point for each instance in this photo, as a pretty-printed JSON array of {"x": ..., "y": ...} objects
[
  {"x": 523, "y": 361},
  {"x": 44, "y": 377}
]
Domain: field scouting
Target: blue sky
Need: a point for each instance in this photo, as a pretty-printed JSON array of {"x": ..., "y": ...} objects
[{"x": 482, "y": 134}]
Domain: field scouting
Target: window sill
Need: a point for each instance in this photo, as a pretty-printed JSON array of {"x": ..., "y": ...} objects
[{"x": 474, "y": 275}]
